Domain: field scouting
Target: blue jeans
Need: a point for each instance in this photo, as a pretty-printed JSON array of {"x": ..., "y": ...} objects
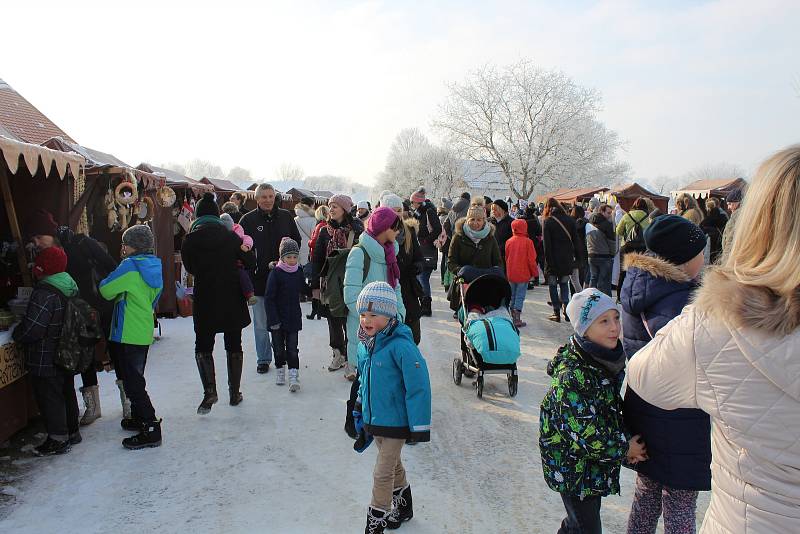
[
  {"x": 263, "y": 345},
  {"x": 518, "y": 292},
  {"x": 556, "y": 283},
  {"x": 425, "y": 280},
  {"x": 600, "y": 270}
]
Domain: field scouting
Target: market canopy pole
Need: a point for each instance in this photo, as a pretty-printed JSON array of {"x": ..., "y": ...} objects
[{"x": 15, "y": 231}]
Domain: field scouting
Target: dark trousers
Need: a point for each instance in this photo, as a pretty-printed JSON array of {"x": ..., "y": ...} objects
[
  {"x": 132, "y": 360},
  {"x": 246, "y": 283},
  {"x": 415, "y": 330},
  {"x": 284, "y": 347},
  {"x": 583, "y": 515},
  {"x": 204, "y": 341},
  {"x": 337, "y": 333},
  {"x": 556, "y": 284},
  {"x": 600, "y": 272},
  {"x": 89, "y": 376},
  {"x": 58, "y": 403}
]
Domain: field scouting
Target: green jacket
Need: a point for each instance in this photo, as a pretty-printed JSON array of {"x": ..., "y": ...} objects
[
  {"x": 134, "y": 287},
  {"x": 581, "y": 434},
  {"x": 464, "y": 251},
  {"x": 626, "y": 223}
]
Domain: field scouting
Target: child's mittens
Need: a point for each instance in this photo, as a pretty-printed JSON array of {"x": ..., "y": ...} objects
[{"x": 364, "y": 440}]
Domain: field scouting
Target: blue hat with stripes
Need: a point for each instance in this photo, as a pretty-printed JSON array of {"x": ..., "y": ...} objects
[{"x": 378, "y": 298}]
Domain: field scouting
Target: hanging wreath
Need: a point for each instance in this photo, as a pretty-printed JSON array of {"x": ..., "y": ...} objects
[
  {"x": 145, "y": 210},
  {"x": 166, "y": 197},
  {"x": 125, "y": 193}
]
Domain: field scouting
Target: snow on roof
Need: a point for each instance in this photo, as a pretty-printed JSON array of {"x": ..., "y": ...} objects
[{"x": 221, "y": 184}]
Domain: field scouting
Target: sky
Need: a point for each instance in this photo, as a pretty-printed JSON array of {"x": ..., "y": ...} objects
[{"x": 328, "y": 85}]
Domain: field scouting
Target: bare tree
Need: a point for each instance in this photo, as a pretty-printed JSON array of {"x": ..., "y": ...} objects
[
  {"x": 714, "y": 171},
  {"x": 200, "y": 168},
  {"x": 289, "y": 172},
  {"x": 538, "y": 126},
  {"x": 239, "y": 175}
]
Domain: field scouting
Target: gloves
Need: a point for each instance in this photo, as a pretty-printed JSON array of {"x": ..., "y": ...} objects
[
  {"x": 358, "y": 420},
  {"x": 364, "y": 440}
]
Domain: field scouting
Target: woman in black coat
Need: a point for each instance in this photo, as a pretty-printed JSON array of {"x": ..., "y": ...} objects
[
  {"x": 560, "y": 245},
  {"x": 581, "y": 252},
  {"x": 714, "y": 226},
  {"x": 535, "y": 235},
  {"x": 212, "y": 253}
]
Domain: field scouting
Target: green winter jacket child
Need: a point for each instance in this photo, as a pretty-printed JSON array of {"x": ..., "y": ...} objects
[
  {"x": 581, "y": 434},
  {"x": 134, "y": 287}
]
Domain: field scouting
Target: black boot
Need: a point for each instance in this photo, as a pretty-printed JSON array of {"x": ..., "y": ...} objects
[
  {"x": 564, "y": 309},
  {"x": 402, "y": 509},
  {"x": 51, "y": 447},
  {"x": 205, "y": 365},
  {"x": 376, "y": 521},
  {"x": 131, "y": 424},
  {"x": 150, "y": 436},
  {"x": 235, "y": 360},
  {"x": 426, "y": 304},
  {"x": 314, "y": 310}
]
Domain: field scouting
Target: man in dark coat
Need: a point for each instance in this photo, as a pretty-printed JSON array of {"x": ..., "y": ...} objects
[
  {"x": 601, "y": 245},
  {"x": 535, "y": 235},
  {"x": 210, "y": 253},
  {"x": 502, "y": 225},
  {"x": 267, "y": 225},
  {"x": 560, "y": 242},
  {"x": 429, "y": 229}
]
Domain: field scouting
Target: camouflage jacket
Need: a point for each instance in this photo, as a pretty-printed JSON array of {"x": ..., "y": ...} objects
[{"x": 581, "y": 435}]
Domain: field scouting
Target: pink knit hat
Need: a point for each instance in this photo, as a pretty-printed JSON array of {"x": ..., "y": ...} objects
[
  {"x": 343, "y": 201},
  {"x": 419, "y": 195}
]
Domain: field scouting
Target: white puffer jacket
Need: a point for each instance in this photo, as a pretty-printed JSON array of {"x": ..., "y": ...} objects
[
  {"x": 735, "y": 354},
  {"x": 306, "y": 222}
]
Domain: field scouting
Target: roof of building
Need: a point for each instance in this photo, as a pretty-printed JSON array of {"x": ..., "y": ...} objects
[
  {"x": 220, "y": 184},
  {"x": 22, "y": 119}
]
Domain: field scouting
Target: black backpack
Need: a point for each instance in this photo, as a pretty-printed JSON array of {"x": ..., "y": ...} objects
[
  {"x": 634, "y": 237},
  {"x": 80, "y": 332}
]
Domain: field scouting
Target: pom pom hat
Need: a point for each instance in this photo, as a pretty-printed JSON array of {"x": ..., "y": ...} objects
[{"x": 378, "y": 298}]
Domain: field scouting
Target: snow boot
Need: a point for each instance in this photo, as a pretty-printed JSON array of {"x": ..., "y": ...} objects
[
  {"x": 205, "y": 365},
  {"x": 518, "y": 322},
  {"x": 566, "y": 317},
  {"x": 402, "y": 509},
  {"x": 425, "y": 305},
  {"x": 131, "y": 425},
  {"x": 262, "y": 368},
  {"x": 349, "y": 372},
  {"x": 294, "y": 380},
  {"x": 91, "y": 398},
  {"x": 556, "y": 317},
  {"x": 376, "y": 521},
  {"x": 51, "y": 447},
  {"x": 124, "y": 400},
  {"x": 314, "y": 310},
  {"x": 235, "y": 361},
  {"x": 150, "y": 436},
  {"x": 339, "y": 360},
  {"x": 280, "y": 376}
]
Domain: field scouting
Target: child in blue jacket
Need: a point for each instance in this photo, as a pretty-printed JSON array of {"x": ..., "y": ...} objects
[{"x": 394, "y": 402}]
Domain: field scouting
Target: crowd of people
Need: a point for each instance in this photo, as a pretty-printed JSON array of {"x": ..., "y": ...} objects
[{"x": 706, "y": 297}]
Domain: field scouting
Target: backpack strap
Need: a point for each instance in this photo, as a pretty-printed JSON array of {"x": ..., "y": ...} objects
[{"x": 367, "y": 264}]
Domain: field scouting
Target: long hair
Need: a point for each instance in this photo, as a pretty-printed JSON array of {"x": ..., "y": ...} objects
[
  {"x": 321, "y": 213},
  {"x": 766, "y": 233},
  {"x": 550, "y": 205},
  {"x": 641, "y": 205}
]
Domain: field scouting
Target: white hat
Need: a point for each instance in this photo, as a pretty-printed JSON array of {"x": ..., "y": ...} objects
[{"x": 362, "y": 205}]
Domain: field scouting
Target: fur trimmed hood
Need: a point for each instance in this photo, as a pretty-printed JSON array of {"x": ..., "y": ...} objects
[
  {"x": 745, "y": 306},
  {"x": 460, "y": 227},
  {"x": 301, "y": 210},
  {"x": 652, "y": 284},
  {"x": 656, "y": 266}
]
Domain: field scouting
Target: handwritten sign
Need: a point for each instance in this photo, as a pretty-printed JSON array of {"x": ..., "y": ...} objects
[{"x": 11, "y": 366}]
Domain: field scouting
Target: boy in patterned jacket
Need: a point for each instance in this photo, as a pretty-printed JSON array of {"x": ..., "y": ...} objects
[{"x": 582, "y": 437}]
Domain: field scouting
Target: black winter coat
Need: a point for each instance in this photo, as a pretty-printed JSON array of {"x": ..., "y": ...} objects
[
  {"x": 211, "y": 253},
  {"x": 429, "y": 229},
  {"x": 678, "y": 441},
  {"x": 714, "y": 226},
  {"x": 581, "y": 253},
  {"x": 283, "y": 299},
  {"x": 410, "y": 264},
  {"x": 267, "y": 228},
  {"x": 503, "y": 232},
  {"x": 559, "y": 245},
  {"x": 535, "y": 233},
  {"x": 40, "y": 330}
]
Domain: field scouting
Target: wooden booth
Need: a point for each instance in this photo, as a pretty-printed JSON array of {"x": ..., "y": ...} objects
[
  {"x": 626, "y": 195},
  {"x": 702, "y": 190},
  {"x": 572, "y": 196}
]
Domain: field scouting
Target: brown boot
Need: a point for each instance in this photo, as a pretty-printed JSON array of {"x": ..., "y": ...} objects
[{"x": 518, "y": 322}]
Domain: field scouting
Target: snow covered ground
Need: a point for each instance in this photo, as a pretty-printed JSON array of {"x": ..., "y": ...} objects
[{"x": 280, "y": 462}]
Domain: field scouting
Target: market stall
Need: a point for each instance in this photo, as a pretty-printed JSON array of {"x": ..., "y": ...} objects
[
  {"x": 702, "y": 190},
  {"x": 32, "y": 177},
  {"x": 626, "y": 195},
  {"x": 572, "y": 196}
]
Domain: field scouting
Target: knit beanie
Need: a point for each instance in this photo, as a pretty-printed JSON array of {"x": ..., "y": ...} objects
[
  {"x": 288, "y": 246},
  {"x": 419, "y": 195},
  {"x": 477, "y": 210},
  {"x": 392, "y": 201},
  {"x": 362, "y": 205},
  {"x": 227, "y": 221},
  {"x": 465, "y": 195},
  {"x": 206, "y": 206},
  {"x": 42, "y": 223},
  {"x": 735, "y": 195},
  {"x": 343, "y": 201},
  {"x": 381, "y": 220},
  {"x": 140, "y": 238},
  {"x": 585, "y": 307},
  {"x": 307, "y": 201},
  {"x": 447, "y": 204},
  {"x": 50, "y": 261},
  {"x": 502, "y": 204},
  {"x": 674, "y": 238},
  {"x": 378, "y": 298}
]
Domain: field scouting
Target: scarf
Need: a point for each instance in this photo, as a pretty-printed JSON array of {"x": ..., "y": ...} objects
[
  {"x": 392, "y": 268},
  {"x": 611, "y": 359},
  {"x": 338, "y": 233},
  {"x": 479, "y": 235},
  {"x": 285, "y": 267},
  {"x": 205, "y": 220},
  {"x": 369, "y": 341}
]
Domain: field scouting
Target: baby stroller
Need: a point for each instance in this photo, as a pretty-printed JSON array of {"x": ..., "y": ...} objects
[{"x": 489, "y": 340}]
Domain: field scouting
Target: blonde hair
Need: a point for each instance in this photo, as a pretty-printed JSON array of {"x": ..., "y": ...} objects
[
  {"x": 321, "y": 213},
  {"x": 711, "y": 203},
  {"x": 766, "y": 234}
]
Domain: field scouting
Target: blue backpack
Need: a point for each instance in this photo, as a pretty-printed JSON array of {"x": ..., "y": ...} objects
[{"x": 496, "y": 339}]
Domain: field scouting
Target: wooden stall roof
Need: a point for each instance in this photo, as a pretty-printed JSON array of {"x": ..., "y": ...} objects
[
  {"x": 572, "y": 195},
  {"x": 711, "y": 188},
  {"x": 221, "y": 185},
  {"x": 635, "y": 190},
  {"x": 35, "y": 155},
  {"x": 175, "y": 179},
  {"x": 21, "y": 118}
]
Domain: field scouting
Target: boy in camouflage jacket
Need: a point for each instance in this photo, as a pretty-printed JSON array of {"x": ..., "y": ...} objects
[{"x": 581, "y": 432}]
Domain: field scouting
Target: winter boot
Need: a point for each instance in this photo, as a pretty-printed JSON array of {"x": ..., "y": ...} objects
[
  {"x": 150, "y": 436},
  {"x": 349, "y": 372},
  {"x": 131, "y": 425},
  {"x": 339, "y": 360},
  {"x": 426, "y": 304},
  {"x": 518, "y": 322},
  {"x": 128, "y": 422},
  {"x": 235, "y": 360},
  {"x": 376, "y": 521},
  {"x": 566, "y": 317},
  {"x": 52, "y": 446},
  {"x": 280, "y": 376},
  {"x": 262, "y": 368},
  {"x": 205, "y": 365},
  {"x": 91, "y": 398},
  {"x": 314, "y": 310},
  {"x": 294, "y": 380},
  {"x": 75, "y": 437},
  {"x": 556, "y": 317},
  {"x": 402, "y": 509}
]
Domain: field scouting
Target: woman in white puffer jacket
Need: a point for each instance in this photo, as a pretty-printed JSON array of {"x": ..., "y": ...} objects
[{"x": 735, "y": 354}]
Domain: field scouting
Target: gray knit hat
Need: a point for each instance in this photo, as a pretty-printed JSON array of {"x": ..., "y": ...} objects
[
  {"x": 392, "y": 201},
  {"x": 447, "y": 204},
  {"x": 378, "y": 298},
  {"x": 288, "y": 246},
  {"x": 227, "y": 221},
  {"x": 140, "y": 238}
]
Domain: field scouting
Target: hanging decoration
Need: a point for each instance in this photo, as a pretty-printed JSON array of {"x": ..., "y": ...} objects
[
  {"x": 145, "y": 210},
  {"x": 111, "y": 205},
  {"x": 166, "y": 196}
]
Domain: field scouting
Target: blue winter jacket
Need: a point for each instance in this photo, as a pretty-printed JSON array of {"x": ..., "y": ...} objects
[
  {"x": 395, "y": 387},
  {"x": 678, "y": 441},
  {"x": 282, "y": 299}
]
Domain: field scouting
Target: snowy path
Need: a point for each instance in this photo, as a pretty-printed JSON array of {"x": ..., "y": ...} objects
[{"x": 281, "y": 462}]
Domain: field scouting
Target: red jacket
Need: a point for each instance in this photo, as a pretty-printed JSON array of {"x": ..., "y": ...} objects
[
  {"x": 314, "y": 236},
  {"x": 520, "y": 254}
]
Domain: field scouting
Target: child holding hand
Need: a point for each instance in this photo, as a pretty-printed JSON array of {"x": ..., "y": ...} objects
[
  {"x": 247, "y": 243},
  {"x": 582, "y": 436}
]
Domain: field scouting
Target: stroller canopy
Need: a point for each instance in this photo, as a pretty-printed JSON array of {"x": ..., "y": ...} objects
[{"x": 488, "y": 290}]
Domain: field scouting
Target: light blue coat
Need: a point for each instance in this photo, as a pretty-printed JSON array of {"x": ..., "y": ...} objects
[{"x": 354, "y": 282}]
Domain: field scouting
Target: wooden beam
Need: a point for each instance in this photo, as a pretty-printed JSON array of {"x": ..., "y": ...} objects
[{"x": 5, "y": 187}]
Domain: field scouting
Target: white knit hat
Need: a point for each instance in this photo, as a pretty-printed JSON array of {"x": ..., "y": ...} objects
[{"x": 585, "y": 307}]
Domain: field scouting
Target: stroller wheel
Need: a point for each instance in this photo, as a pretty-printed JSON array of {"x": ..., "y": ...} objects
[
  {"x": 512, "y": 385},
  {"x": 479, "y": 387},
  {"x": 458, "y": 371}
]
